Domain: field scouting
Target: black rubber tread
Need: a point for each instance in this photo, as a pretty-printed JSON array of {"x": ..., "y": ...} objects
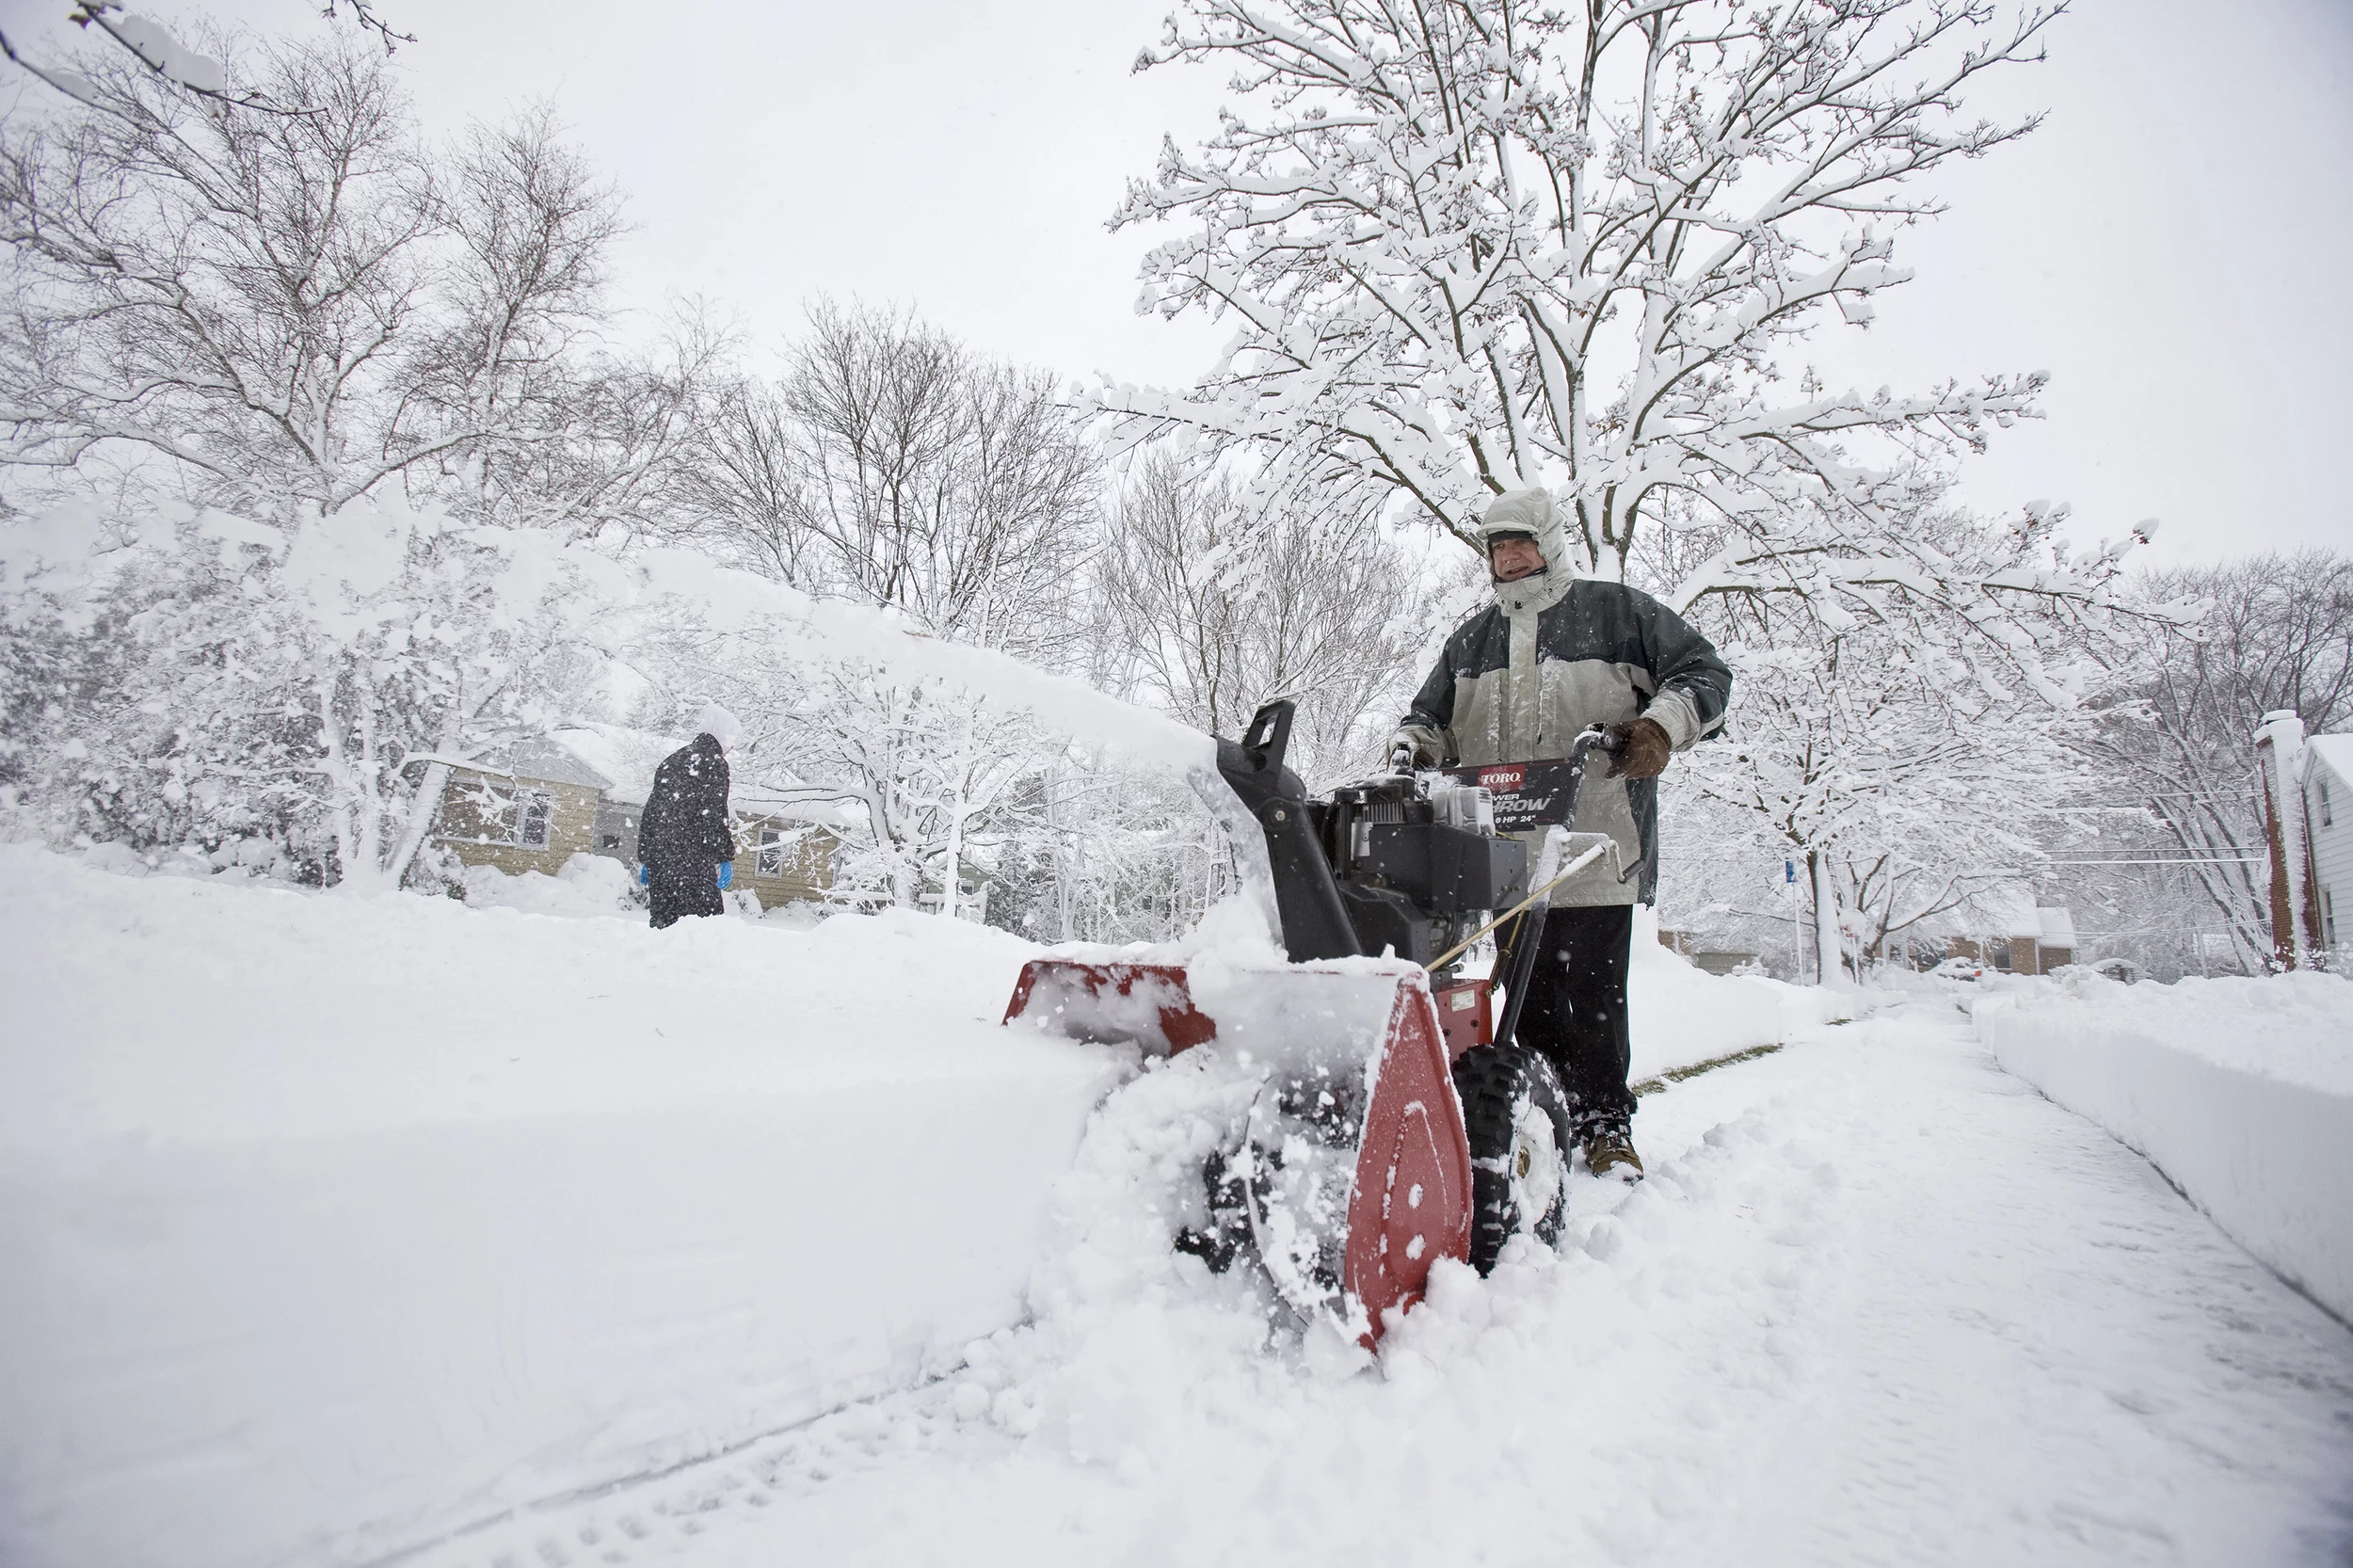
[{"x": 1492, "y": 1081}]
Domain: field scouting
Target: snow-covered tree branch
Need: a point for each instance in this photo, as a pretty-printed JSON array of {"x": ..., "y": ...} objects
[
  {"x": 311, "y": 688},
  {"x": 1486, "y": 243}
]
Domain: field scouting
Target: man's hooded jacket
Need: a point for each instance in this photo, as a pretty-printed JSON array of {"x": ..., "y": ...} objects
[{"x": 1554, "y": 655}]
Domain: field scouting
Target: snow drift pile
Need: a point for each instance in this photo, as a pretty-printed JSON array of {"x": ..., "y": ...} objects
[
  {"x": 329, "y": 1222},
  {"x": 332, "y": 1222},
  {"x": 2240, "y": 1091}
]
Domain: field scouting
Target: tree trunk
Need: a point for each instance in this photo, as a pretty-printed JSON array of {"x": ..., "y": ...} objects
[
  {"x": 421, "y": 811},
  {"x": 1829, "y": 962}
]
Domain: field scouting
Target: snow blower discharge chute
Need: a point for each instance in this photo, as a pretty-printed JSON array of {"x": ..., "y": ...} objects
[{"x": 1394, "y": 1120}]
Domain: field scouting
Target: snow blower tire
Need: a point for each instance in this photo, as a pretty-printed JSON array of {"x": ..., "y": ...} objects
[{"x": 1516, "y": 1118}]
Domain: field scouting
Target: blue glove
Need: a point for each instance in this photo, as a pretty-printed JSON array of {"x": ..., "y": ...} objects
[
  {"x": 645, "y": 875},
  {"x": 727, "y": 872}
]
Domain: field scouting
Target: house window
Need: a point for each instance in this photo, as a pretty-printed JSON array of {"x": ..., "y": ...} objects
[
  {"x": 477, "y": 812},
  {"x": 608, "y": 841},
  {"x": 534, "y": 810},
  {"x": 2326, "y": 818},
  {"x": 772, "y": 845}
]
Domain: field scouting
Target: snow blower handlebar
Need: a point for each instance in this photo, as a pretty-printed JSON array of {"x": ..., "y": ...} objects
[
  {"x": 1595, "y": 738},
  {"x": 1528, "y": 934},
  {"x": 1315, "y": 922}
]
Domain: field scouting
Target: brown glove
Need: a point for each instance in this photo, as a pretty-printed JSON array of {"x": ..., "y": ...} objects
[{"x": 1647, "y": 750}]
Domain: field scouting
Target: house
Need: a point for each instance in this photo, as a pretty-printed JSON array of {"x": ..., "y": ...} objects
[
  {"x": 1719, "y": 961},
  {"x": 2041, "y": 940},
  {"x": 787, "y": 835},
  {"x": 2328, "y": 834},
  {"x": 2022, "y": 937},
  {"x": 528, "y": 807}
]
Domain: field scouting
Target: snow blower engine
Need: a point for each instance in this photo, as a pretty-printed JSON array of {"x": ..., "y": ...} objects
[{"x": 1386, "y": 1117}]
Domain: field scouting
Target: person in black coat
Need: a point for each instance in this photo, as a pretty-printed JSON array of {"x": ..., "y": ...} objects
[{"x": 684, "y": 847}]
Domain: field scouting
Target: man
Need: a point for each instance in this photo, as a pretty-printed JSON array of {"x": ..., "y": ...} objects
[
  {"x": 685, "y": 852},
  {"x": 1552, "y": 655}
]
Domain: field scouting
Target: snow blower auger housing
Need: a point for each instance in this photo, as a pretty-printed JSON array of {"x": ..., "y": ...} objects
[{"x": 1354, "y": 1168}]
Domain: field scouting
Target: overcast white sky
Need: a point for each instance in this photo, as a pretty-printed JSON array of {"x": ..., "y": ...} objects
[{"x": 2172, "y": 246}]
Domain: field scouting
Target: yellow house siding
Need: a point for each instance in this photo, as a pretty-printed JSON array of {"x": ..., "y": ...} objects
[
  {"x": 481, "y": 833},
  {"x": 807, "y": 863}
]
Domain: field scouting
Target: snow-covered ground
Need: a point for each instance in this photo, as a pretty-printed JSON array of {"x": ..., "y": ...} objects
[
  {"x": 331, "y": 1222},
  {"x": 2240, "y": 1090},
  {"x": 1878, "y": 1302},
  {"x": 333, "y": 1228}
]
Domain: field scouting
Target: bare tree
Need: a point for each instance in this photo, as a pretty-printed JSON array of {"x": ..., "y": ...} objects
[
  {"x": 743, "y": 488},
  {"x": 279, "y": 315},
  {"x": 893, "y": 467},
  {"x": 621, "y": 440},
  {"x": 498, "y": 370},
  {"x": 2176, "y": 740},
  {"x": 1214, "y": 605},
  {"x": 219, "y": 292}
]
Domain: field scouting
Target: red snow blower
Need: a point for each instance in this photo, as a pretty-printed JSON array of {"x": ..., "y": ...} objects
[{"x": 1394, "y": 1121}]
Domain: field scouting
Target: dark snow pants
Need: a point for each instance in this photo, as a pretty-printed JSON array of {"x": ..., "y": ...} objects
[
  {"x": 691, "y": 890},
  {"x": 1575, "y": 1012}
]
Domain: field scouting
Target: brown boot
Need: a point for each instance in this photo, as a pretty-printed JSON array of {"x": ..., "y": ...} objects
[{"x": 1610, "y": 1154}]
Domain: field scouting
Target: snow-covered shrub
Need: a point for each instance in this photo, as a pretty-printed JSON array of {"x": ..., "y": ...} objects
[
  {"x": 1110, "y": 854},
  {"x": 308, "y": 687}
]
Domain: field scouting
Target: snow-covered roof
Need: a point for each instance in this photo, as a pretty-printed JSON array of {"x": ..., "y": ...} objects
[
  {"x": 540, "y": 760},
  {"x": 2337, "y": 752},
  {"x": 625, "y": 756},
  {"x": 2011, "y": 911}
]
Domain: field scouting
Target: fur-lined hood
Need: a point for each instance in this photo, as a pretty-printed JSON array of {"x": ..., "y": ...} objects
[{"x": 1531, "y": 512}]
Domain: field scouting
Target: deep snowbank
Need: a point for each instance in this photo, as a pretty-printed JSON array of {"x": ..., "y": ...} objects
[
  {"x": 331, "y": 1222},
  {"x": 326, "y": 1223},
  {"x": 2241, "y": 1091},
  {"x": 1680, "y": 1014}
]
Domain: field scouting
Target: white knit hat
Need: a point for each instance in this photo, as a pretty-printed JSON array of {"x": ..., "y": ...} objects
[{"x": 720, "y": 725}]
